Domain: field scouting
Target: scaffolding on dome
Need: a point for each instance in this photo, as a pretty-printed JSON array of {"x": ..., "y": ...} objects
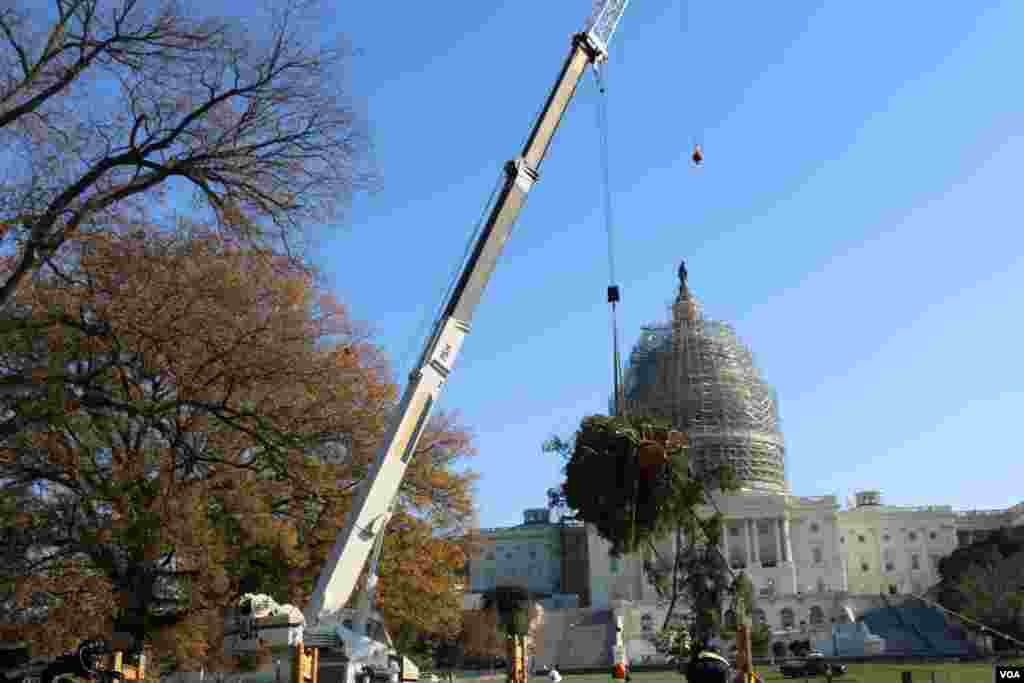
[{"x": 697, "y": 373}]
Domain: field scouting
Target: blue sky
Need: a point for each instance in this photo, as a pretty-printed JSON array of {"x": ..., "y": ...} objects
[{"x": 858, "y": 219}]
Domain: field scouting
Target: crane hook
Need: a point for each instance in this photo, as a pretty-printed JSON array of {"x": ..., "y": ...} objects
[{"x": 698, "y": 155}]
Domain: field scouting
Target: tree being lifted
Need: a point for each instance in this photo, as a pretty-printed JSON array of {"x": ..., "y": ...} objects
[{"x": 632, "y": 479}]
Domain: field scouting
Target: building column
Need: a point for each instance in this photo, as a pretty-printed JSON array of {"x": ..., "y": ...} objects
[
  {"x": 787, "y": 540},
  {"x": 755, "y": 539},
  {"x": 746, "y": 539},
  {"x": 788, "y": 544},
  {"x": 776, "y": 523}
]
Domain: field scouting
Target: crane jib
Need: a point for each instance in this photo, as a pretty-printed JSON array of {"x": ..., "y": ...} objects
[{"x": 603, "y": 21}]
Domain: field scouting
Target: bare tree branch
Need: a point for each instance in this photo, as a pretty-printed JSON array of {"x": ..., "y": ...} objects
[{"x": 260, "y": 128}]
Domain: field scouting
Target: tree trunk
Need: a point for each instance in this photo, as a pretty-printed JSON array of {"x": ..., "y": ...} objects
[
  {"x": 675, "y": 578},
  {"x": 516, "y": 651}
]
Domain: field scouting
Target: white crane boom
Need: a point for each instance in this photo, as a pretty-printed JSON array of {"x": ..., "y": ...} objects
[{"x": 345, "y": 563}]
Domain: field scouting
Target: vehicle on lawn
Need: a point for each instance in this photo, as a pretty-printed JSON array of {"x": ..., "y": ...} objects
[{"x": 814, "y": 664}]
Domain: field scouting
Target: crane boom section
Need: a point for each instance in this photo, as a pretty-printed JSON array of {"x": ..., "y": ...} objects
[
  {"x": 354, "y": 544},
  {"x": 603, "y": 22}
]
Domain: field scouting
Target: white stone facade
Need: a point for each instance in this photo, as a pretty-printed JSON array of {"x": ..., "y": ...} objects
[
  {"x": 813, "y": 564},
  {"x": 799, "y": 546}
]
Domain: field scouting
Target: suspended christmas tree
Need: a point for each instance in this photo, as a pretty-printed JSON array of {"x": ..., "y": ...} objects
[{"x": 630, "y": 477}]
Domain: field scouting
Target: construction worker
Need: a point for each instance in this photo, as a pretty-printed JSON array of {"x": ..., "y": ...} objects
[{"x": 709, "y": 666}]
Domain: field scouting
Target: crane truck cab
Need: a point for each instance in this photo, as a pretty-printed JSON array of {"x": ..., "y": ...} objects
[{"x": 343, "y": 654}]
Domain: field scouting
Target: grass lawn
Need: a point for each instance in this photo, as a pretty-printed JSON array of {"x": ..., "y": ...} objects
[{"x": 858, "y": 673}]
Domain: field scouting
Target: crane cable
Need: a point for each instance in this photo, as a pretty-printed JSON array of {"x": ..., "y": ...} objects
[{"x": 613, "y": 288}]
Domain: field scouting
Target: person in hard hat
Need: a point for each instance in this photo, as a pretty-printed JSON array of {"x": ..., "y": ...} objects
[{"x": 709, "y": 666}]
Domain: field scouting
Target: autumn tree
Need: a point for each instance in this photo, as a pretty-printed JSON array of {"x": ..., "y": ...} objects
[
  {"x": 192, "y": 415},
  {"x": 106, "y": 106},
  {"x": 480, "y": 637}
]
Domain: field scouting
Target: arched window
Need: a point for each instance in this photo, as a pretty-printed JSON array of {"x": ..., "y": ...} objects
[
  {"x": 817, "y": 616},
  {"x": 788, "y": 618}
]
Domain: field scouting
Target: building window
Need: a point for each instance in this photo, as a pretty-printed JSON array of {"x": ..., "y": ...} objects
[
  {"x": 815, "y": 528},
  {"x": 886, "y": 538},
  {"x": 915, "y": 561},
  {"x": 817, "y": 616},
  {"x": 730, "y": 620},
  {"x": 889, "y": 566},
  {"x": 860, "y": 538},
  {"x": 816, "y": 555},
  {"x": 490, "y": 555},
  {"x": 760, "y": 617},
  {"x": 892, "y": 589},
  {"x": 864, "y": 566},
  {"x": 913, "y": 536},
  {"x": 647, "y": 623},
  {"x": 821, "y": 586},
  {"x": 734, "y": 531},
  {"x": 533, "y": 554},
  {"x": 842, "y": 539},
  {"x": 932, "y": 535},
  {"x": 614, "y": 566},
  {"x": 788, "y": 619}
]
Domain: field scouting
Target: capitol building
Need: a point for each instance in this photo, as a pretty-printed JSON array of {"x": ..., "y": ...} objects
[{"x": 816, "y": 562}]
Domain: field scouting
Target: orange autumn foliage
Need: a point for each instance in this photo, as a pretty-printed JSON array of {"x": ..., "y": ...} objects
[{"x": 174, "y": 396}]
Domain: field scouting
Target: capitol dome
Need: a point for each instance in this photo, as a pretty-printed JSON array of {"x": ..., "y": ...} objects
[{"x": 698, "y": 374}]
